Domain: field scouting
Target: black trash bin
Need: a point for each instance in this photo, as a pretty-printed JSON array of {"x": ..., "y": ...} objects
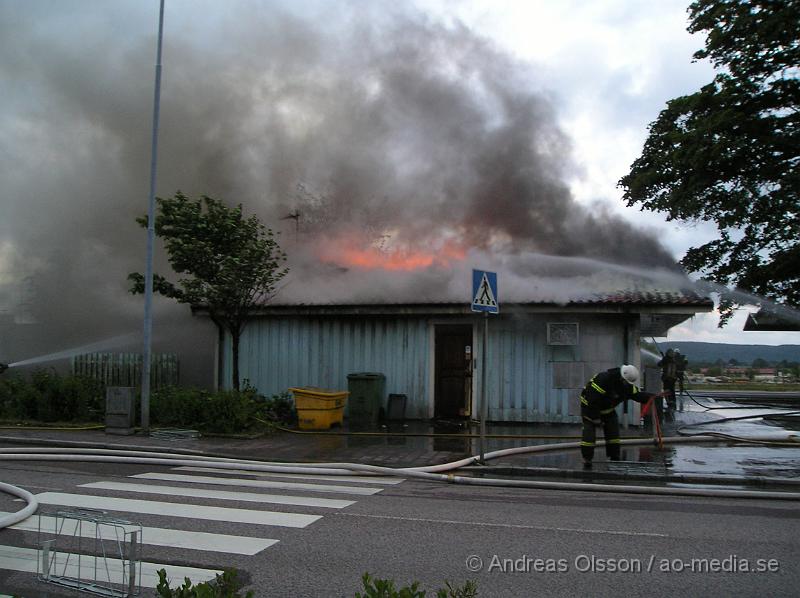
[{"x": 367, "y": 393}]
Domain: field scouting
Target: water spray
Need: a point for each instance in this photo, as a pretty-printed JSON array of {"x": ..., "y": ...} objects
[
  {"x": 671, "y": 278},
  {"x": 110, "y": 343}
]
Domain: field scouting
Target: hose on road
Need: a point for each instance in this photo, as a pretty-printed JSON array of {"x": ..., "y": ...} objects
[
  {"x": 436, "y": 473},
  {"x": 22, "y": 514}
]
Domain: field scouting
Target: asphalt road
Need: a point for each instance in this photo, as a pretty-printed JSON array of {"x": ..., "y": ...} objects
[{"x": 512, "y": 542}]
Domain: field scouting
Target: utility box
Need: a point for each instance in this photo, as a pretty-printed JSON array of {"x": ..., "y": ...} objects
[
  {"x": 120, "y": 410},
  {"x": 367, "y": 393}
]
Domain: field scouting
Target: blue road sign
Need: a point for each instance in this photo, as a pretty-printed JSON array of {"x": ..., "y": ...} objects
[{"x": 484, "y": 292}]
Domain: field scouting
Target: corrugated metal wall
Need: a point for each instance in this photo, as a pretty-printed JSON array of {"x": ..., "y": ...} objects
[
  {"x": 528, "y": 380},
  {"x": 278, "y": 353},
  {"x": 521, "y": 383}
]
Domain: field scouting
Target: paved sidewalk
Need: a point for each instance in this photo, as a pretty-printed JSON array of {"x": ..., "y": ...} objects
[{"x": 418, "y": 444}]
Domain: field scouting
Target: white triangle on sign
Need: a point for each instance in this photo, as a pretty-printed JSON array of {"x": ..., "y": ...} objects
[{"x": 484, "y": 297}]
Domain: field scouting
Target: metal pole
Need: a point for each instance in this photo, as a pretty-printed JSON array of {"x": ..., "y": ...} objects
[
  {"x": 133, "y": 557},
  {"x": 151, "y": 233},
  {"x": 484, "y": 402}
]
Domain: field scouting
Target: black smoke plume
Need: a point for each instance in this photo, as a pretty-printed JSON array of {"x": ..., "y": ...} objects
[{"x": 365, "y": 121}]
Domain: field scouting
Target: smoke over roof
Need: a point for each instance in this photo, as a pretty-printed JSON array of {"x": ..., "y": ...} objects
[{"x": 375, "y": 126}]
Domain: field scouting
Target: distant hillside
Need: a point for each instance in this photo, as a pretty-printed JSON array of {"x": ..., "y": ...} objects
[{"x": 744, "y": 354}]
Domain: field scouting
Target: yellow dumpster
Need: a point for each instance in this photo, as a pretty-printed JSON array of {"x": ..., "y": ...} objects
[{"x": 318, "y": 408}]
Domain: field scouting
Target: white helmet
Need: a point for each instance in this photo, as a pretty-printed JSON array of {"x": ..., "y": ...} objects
[{"x": 630, "y": 373}]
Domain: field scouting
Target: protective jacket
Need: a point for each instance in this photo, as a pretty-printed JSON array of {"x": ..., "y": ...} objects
[
  {"x": 607, "y": 390},
  {"x": 669, "y": 368}
]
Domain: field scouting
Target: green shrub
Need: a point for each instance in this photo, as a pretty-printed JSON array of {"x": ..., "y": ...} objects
[
  {"x": 279, "y": 409},
  {"x": 384, "y": 588},
  {"x": 11, "y": 387},
  {"x": 175, "y": 406},
  {"x": 225, "y": 585},
  {"x": 83, "y": 398},
  {"x": 224, "y": 411},
  {"x": 229, "y": 411},
  {"x": 49, "y": 397},
  {"x": 468, "y": 590}
]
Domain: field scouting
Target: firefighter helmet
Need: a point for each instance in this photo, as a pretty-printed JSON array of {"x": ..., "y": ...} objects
[{"x": 630, "y": 373}]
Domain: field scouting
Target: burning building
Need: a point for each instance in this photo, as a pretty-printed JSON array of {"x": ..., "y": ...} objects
[{"x": 409, "y": 318}]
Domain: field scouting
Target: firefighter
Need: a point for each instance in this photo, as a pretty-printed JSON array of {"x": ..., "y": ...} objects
[
  {"x": 669, "y": 374},
  {"x": 599, "y": 400},
  {"x": 681, "y": 363},
  {"x": 3, "y": 367}
]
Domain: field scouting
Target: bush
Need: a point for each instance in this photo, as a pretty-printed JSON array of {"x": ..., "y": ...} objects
[
  {"x": 229, "y": 411},
  {"x": 49, "y": 397},
  {"x": 224, "y": 411},
  {"x": 384, "y": 588},
  {"x": 175, "y": 406},
  {"x": 279, "y": 409},
  {"x": 224, "y": 586},
  {"x": 227, "y": 585}
]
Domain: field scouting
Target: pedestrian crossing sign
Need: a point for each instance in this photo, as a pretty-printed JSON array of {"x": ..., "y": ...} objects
[{"x": 484, "y": 292}]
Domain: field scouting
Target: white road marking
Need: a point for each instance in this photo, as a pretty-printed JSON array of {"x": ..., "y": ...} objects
[
  {"x": 277, "y": 499},
  {"x": 510, "y": 525},
  {"x": 170, "y": 509},
  {"x": 26, "y": 560},
  {"x": 196, "y": 479},
  {"x": 158, "y": 536},
  {"x": 366, "y": 479}
]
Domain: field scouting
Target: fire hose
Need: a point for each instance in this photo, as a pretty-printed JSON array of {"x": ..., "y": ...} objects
[
  {"x": 435, "y": 473},
  {"x": 22, "y": 514}
]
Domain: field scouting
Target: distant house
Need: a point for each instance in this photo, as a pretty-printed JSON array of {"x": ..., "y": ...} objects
[{"x": 539, "y": 356}]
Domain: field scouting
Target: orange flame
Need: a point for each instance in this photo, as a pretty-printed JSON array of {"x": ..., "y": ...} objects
[{"x": 349, "y": 253}]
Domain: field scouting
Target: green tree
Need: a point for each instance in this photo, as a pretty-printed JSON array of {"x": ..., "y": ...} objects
[
  {"x": 730, "y": 153},
  {"x": 758, "y": 362},
  {"x": 230, "y": 264}
]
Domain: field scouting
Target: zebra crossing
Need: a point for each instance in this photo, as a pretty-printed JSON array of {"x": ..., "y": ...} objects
[{"x": 192, "y": 501}]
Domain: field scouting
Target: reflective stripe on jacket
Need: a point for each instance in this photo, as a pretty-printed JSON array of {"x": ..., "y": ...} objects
[{"x": 608, "y": 389}]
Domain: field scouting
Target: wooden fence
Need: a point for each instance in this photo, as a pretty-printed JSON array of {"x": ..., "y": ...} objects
[{"x": 125, "y": 369}]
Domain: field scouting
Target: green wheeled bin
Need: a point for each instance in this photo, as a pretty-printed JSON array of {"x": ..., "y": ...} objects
[{"x": 367, "y": 396}]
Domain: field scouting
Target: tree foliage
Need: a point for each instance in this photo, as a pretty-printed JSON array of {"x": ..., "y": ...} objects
[
  {"x": 730, "y": 153},
  {"x": 230, "y": 264}
]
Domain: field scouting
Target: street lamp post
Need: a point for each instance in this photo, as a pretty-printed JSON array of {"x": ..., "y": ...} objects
[{"x": 151, "y": 233}]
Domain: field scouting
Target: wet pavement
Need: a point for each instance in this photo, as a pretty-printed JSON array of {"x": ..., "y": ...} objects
[
  {"x": 756, "y": 464},
  {"x": 415, "y": 444}
]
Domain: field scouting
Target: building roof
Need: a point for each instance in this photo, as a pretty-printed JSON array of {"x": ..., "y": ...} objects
[
  {"x": 652, "y": 298},
  {"x": 681, "y": 303},
  {"x": 767, "y": 321},
  {"x": 658, "y": 311}
]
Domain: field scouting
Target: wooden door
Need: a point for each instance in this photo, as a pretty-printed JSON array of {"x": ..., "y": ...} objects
[{"x": 453, "y": 370}]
